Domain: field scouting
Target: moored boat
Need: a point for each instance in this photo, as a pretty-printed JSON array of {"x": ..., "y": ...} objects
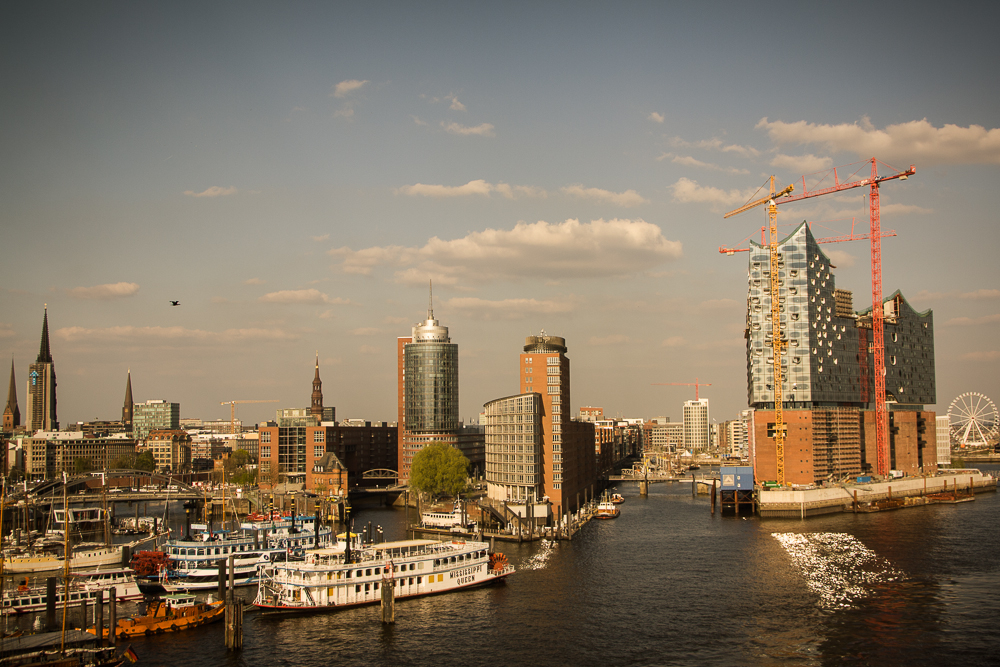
[
  {"x": 171, "y": 613},
  {"x": 617, "y": 498},
  {"x": 607, "y": 510},
  {"x": 83, "y": 586},
  {"x": 339, "y": 577}
]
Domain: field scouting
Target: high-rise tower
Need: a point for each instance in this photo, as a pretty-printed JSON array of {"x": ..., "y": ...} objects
[
  {"x": 428, "y": 395},
  {"x": 128, "y": 407},
  {"x": 11, "y": 413},
  {"x": 316, "y": 408},
  {"x": 41, "y": 409}
]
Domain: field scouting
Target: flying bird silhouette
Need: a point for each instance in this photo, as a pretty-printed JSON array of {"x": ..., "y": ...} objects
[{"x": 175, "y": 303}]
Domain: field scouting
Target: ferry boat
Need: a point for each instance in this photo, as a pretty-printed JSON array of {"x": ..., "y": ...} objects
[
  {"x": 171, "y": 613},
  {"x": 196, "y": 561},
  {"x": 606, "y": 510},
  {"x": 83, "y": 557},
  {"x": 330, "y": 579},
  {"x": 83, "y": 586}
]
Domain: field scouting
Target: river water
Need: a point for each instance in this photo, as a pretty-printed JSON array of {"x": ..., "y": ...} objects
[{"x": 669, "y": 584}]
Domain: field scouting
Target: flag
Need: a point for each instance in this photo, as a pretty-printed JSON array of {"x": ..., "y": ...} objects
[{"x": 130, "y": 654}]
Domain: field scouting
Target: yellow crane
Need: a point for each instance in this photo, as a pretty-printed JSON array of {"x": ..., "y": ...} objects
[
  {"x": 777, "y": 339},
  {"x": 232, "y": 411}
]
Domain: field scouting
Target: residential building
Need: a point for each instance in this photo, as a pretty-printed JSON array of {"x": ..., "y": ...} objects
[
  {"x": 696, "y": 426},
  {"x": 154, "y": 415},
  {"x": 943, "y": 433},
  {"x": 514, "y": 448},
  {"x": 171, "y": 448},
  {"x": 329, "y": 477},
  {"x": 41, "y": 408},
  {"x": 827, "y": 371}
]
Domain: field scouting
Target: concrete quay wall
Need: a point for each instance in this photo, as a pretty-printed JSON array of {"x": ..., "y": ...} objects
[{"x": 813, "y": 502}]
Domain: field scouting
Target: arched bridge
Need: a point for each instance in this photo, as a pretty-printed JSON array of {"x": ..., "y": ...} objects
[{"x": 120, "y": 484}]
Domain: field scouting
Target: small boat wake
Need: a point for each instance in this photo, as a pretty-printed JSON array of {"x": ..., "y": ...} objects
[
  {"x": 537, "y": 561},
  {"x": 837, "y": 567}
]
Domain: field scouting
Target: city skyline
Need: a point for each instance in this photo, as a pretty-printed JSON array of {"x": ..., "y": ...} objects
[{"x": 293, "y": 176}]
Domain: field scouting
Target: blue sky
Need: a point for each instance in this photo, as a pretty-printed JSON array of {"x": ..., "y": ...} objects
[{"x": 294, "y": 175}]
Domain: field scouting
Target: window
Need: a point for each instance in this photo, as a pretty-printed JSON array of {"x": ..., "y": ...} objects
[
  {"x": 265, "y": 451},
  {"x": 319, "y": 436},
  {"x": 318, "y": 452},
  {"x": 265, "y": 436}
]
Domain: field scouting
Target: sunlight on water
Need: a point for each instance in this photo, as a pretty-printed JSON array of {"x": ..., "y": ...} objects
[
  {"x": 538, "y": 560},
  {"x": 836, "y": 566}
]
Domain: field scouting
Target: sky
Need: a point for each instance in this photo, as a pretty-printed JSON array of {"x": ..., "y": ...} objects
[{"x": 296, "y": 173}]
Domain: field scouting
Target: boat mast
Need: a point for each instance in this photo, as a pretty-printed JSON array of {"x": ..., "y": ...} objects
[{"x": 62, "y": 644}]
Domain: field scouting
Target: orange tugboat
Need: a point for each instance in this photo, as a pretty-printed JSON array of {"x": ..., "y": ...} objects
[{"x": 171, "y": 613}]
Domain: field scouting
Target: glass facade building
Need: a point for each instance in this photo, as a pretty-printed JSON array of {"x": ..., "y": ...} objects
[{"x": 514, "y": 448}]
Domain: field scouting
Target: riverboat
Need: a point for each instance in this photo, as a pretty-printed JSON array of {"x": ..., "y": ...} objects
[
  {"x": 83, "y": 557},
  {"x": 607, "y": 510},
  {"x": 617, "y": 498},
  {"x": 83, "y": 586},
  {"x": 171, "y": 613},
  {"x": 330, "y": 579},
  {"x": 196, "y": 560}
]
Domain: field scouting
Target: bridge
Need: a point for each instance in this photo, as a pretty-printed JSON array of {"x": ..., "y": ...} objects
[{"x": 120, "y": 485}]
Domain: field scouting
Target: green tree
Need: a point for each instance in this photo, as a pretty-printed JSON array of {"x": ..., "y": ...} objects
[
  {"x": 145, "y": 461},
  {"x": 439, "y": 469},
  {"x": 82, "y": 465}
]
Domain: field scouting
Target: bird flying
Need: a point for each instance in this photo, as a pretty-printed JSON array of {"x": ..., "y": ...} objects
[{"x": 175, "y": 303}]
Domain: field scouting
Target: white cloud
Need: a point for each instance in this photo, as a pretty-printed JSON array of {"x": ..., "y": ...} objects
[
  {"x": 346, "y": 111},
  {"x": 840, "y": 258},
  {"x": 990, "y": 355},
  {"x": 915, "y": 141},
  {"x": 627, "y": 199},
  {"x": 507, "y": 309},
  {"x": 345, "y": 88},
  {"x": 803, "y": 164},
  {"x": 981, "y": 294},
  {"x": 253, "y": 281},
  {"x": 214, "y": 191},
  {"x": 978, "y": 295},
  {"x": 674, "y": 341},
  {"x": 656, "y": 117},
  {"x": 598, "y": 249},
  {"x": 970, "y": 321},
  {"x": 456, "y": 105},
  {"x": 612, "y": 339},
  {"x": 152, "y": 335},
  {"x": 105, "y": 292},
  {"x": 482, "y": 130},
  {"x": 476, "y": 187},
  {"x": 689, "y": 161},
  {"x": 716, "y": 145},
  {"x": 366, "y": 331},
  {"x": 688, "y": 191},
  {"x": 307, "y": 296},
  {"x": 320, "y": 239},
  {"x": 900, "y": 209}
]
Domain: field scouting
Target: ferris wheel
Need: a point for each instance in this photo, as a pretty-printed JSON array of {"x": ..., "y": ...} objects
[{"x": 973, "y": 419}]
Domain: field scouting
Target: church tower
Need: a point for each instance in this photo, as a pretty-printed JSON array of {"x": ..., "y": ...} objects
[
  {"x": 128, "y": 406},
  {"x": 316, "y": 409},
  {"x": 11, "y": 413},
  {"x": 41, "y": 412}
]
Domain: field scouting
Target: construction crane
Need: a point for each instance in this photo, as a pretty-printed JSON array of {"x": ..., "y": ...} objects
[
  {"x": 694, "y": 384},
  {"x": 827, "y": 239},
  {"x": 777, "y": 340},
  {"x": 232, "y": 411}
]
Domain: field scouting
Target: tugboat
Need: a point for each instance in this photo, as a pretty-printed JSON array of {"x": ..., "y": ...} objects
[
  {"x": 171, "y": 613},
  {"x": 606, "y": 509}
]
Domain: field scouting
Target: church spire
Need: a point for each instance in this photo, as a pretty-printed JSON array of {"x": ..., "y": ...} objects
[
  {"x": 44, "y": 353},
  {"x": 11, "y": 413},
  {"x": 128, "y": 407},
  {"x": 316, "y": 409}
]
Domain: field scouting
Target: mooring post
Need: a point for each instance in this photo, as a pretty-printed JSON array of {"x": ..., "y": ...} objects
[
  {"x": 388, "y": 596},
  {"x": 99, "y": 618},
  {"x": 713, "y": 496},
  {"x": 694, "y": 485},
  {"x": 50, "y": 602},
  {"x": 222, "y": 579},
  {"x": 855, "y": 500},
  {"x": 112, "y": 615}
]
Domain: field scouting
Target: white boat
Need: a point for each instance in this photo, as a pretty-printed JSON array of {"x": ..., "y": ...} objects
[
  {"x": 83, "y": 586},
  {"x": 329, "y": 579},
  {"x": 83, "y": 557},
  {"x": 606, "y": 509},
  {"x": 196, "y": 561}
]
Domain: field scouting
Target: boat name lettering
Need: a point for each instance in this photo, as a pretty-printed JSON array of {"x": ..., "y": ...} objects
[{"x": 465, "y": 572}]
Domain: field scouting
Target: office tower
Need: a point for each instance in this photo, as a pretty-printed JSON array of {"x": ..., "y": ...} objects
[
  {"x": 154, "y": 415},
  {"x": 41, "y": 408},
  {"x": 696, "y": 430}
]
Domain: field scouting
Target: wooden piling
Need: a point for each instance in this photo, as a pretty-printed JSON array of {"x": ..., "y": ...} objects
[
  {"x": 234, "y": 611},
  {"x": 713, "y": 496},
  {"x": 388, "y": 600},
  {"x": 50, "y": 602},
  {"x": 222, "y": 579},
  {"x": 99, "y": 618},
  {"x": 112, "y": 615}
]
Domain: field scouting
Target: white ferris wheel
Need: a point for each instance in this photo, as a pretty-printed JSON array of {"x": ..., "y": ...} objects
[{"x": 974, "y": 420}]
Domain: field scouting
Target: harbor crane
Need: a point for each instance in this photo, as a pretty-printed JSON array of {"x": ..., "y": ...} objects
[
  {"x": 232, "y": 411},
  {"x": 694, "y": 384},
  {"x": 777, "y": 339}
]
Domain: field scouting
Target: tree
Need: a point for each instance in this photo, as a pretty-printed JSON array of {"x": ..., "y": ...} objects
[
  {"x": 82, "y": 465},
  {"x": 439, "y": 469},
  {"x": 145, "y": 461}
]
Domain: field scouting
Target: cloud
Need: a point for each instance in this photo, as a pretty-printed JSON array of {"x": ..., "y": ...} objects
[
  {"x": 456, "y": 105},
  {"x": 307, "y": 296},
  {"x": 613, "y": 339},
  {"x": 214, "y": 191},
  {"x": 417, "y": 121},
  {"x": 253, "y": 281},
  {"x": 914, "y": 141},
  {"x": 366, "y": 331},
  {"x": 656, "y": 117},
  {"x": 840, "y": 258},
  {"x": 977, "y": 295},
  {"x": 627, "y": 199},
  {"x": 345, "y": 88},
  {"x": 482, "y": 130},
  {"x": 900, "y": 209},
  {"x": 970, "y": 321},
  {"x": 152, "y": 335},
  {"x": 508, "y": 309},
  {"x": 6, "y": 330},
  {"x": 688, "y": 191},
  {"x": 716, "y": 145},
  {"x": 720, "y": 304},
  {"x": 804, "y": 164},
  {"x": 320, "y": 239},
  {"x": 981, "y": 294},
  {"x": 689, "y": 161},
  {"x": 105, "y": 292},
  {"x": 476, "y": 187},
  {"x": 598, "y": 249},
  {"x": 991, "y": 355},
  {"x": 674, "y": 341}
]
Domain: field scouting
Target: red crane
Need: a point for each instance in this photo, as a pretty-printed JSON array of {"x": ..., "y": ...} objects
[
  {"x": 875, "y": 234},
  {"x": 694, "y": 384},
  {"x": 826, "y": 239}
]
